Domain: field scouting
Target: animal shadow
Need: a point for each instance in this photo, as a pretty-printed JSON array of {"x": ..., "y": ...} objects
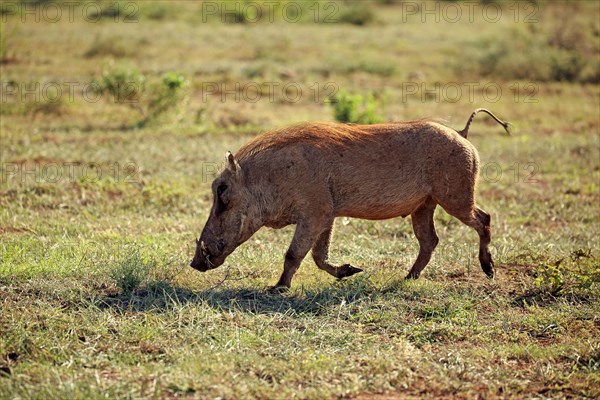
[{"x": 165, "y": 296}]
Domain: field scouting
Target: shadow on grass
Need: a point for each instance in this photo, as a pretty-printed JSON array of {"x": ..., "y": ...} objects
[
  {"x": 542, "y": 298},
  {"x": 163, "y": 296}
]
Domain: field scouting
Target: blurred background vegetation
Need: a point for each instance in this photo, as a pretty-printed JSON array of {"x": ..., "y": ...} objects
[
  {"x": 115, "y": 117},
  {"x": 262, "y": 54}
]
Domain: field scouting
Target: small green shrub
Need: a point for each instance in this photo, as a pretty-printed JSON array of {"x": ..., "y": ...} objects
[
  {"x": 152, "y": 98},
  {"x": 566, "y": 66},
  {"x": 355, "y": 108},
  {"x": 166, "y": 95},
  {"x": 357, "y": 14},
  {"x": 126, "y": 85},
  {"x": 130, "y": 272},
  {"x": 551, "y": 278},
  {"x": 581, "y": 271}
]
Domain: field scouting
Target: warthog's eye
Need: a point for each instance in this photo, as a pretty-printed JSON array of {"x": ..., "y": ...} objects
[
  {"x": 221, "y": 189},
  {"x": 220, "y": 204}
]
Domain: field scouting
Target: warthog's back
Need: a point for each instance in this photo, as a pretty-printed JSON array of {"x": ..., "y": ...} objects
[{"x": 370, "y": 171}]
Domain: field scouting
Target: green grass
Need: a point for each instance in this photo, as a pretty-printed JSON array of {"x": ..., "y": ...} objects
[{"x": 97, "y": 300}]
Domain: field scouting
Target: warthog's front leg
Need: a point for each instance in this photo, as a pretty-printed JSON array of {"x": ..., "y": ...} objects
[
  {"x": 305, "y": 236},
  {"x": 320, "y": 253}
]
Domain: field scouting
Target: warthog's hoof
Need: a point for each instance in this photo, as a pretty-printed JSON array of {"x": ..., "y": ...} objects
[
  {"x": 347, "y": 270},
  {"x": 278, "y": 289},
  {"x": 488, "y": 268}
]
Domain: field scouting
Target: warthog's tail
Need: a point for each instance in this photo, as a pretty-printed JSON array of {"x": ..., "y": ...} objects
[{"x": 465, "y": 131}]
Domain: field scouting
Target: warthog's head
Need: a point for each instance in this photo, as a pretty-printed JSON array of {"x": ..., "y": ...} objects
[{"x": 228, "y": 224}]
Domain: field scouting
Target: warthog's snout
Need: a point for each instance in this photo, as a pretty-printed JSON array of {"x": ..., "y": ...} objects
[
  {"x": 208, "y": 257},
  {"x": 198, "y": 265}
]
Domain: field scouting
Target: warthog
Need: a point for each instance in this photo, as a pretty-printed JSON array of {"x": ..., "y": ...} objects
[{"x": 310, "y": 173}]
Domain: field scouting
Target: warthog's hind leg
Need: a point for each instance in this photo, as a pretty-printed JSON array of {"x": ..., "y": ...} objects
[
  {"x": 320, "y": 253},
  {"x": 422, "y": 222},
  {"x": 483, "y": 227},
  {"x": 479, "y": 220}
]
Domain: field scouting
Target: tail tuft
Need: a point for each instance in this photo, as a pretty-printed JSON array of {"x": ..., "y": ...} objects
[{"x": 506, "y": 125}]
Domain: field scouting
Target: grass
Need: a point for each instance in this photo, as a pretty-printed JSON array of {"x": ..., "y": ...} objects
[{"x": 98, "y": 214}]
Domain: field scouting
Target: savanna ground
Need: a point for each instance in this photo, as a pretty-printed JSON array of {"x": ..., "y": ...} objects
[{"x": 104, "y": 191}]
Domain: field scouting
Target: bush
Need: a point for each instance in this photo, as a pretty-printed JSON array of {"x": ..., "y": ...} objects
[
  {"x": 130, "y": 272},
  {"x": 358, "y": 14},
  {"x": 152, "y": 98},
  {"x": 126, "y": 85},
  {"x": 528, "y": 54},
  {"x": 566, "y": 66},
  {"x": 166, "y": 95},
  {"x": 567, "y": 275},
  {"x": 355, "y": 108}
]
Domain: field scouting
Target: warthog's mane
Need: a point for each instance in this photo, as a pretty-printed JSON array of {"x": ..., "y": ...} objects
[{"x": 317, "y": 134}]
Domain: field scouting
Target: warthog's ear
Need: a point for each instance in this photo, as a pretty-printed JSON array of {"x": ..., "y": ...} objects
[{"x": 232, "y": 163}]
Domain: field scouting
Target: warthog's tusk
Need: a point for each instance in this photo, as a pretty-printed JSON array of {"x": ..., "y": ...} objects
[{"x": 206, "y": 254}]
